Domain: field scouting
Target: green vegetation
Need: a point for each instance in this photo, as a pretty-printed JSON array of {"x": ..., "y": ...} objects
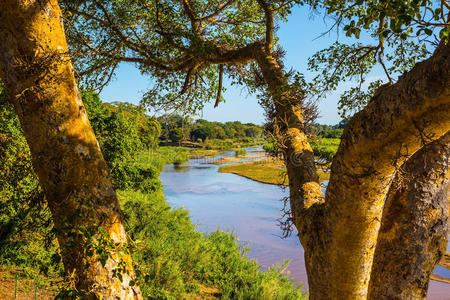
[
  {"x": 211, "y": 135},
  {"x": 240, "y": 152},
  {"x": 26, "y": 237},
  {"x": 172, "y": 260},
  {"x": 324, "y": 141},
  {"x": 270, "y": 171},
  {"x": 325, "y": 149}
]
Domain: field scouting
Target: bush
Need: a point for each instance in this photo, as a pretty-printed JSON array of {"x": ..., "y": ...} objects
[
  {"x": 240, "y": 152},
  {"x": 174, "y": 260},
  {"x": 26, "y": 237},
  {"x": 325, "y": 149},
  {"x": 269, "y": 147}
]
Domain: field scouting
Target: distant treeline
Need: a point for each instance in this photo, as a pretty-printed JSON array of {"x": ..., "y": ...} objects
[
  {"x": 329, "y": 131},
  {"x": 176, "y": 128},
  {"x": 171, "y": 259}
]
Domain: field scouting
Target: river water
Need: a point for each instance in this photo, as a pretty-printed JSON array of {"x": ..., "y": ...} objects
[{"x": 250, "y": 210}]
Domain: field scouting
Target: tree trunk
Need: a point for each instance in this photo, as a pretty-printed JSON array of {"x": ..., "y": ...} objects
[
  {"x": 339, "y": 234},
  {"x": 39, "y": 78},
  {"x": 397, "y": 122},
  {"x": 414, "y": 227},
  {"x": 305, "y": 193}
]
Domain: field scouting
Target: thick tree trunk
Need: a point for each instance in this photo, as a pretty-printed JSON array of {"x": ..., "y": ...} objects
[
  {"x": 305, "y": 193},
  {"x": 339, "y": 235},
  {"x": 396, "y": 123},
  {"x": 414, "y": 227},
  {"x": 66, "y": 156}
]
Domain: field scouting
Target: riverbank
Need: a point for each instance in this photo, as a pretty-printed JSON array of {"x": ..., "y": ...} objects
[
  {"x": 444, "y": 263},
  {"x": 266, "y": 171},
  {"x": 223, "y": 160}
]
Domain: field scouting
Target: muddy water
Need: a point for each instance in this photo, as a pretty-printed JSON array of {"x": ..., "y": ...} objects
[{"x": 249, "y": 209}]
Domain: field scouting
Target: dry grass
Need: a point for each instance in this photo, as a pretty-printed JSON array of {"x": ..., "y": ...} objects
[
  {"x": 266, "y": 171},
  {"x": 25, "y": 287},
  {"x": 223, "y": 160}
]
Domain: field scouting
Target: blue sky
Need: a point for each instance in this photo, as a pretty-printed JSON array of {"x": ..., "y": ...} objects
[{"x": 299, "y": 37}]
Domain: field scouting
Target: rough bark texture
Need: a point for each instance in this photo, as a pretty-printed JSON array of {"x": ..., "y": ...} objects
[
  {"x": 340, "y": 234},
  {"x": 395, "y": 124},
  {"x": 414, "y": 227},
  {"x": 303, "y": 179},
  {"x": 305, "y": 193},
  {"x": 66, "y": 156}
]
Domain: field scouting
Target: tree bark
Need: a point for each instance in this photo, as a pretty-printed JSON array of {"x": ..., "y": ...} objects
[
  {"x": 305, "y": 193},
  {"x": 66, "y": 156},
  {"x": 339, "y": 234},
  {"x": 414, "y": 226},
  {"x": 397, "y": 122}
]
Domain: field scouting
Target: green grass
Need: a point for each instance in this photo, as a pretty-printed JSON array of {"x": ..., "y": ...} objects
[
  {"x": 172, "y": 259},
  {"x": 175, "y": 261},
  {"x": 240, "y": 152},
  {"x": 265, "y": 171}
]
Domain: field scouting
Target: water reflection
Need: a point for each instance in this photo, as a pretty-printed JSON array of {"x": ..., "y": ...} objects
[{"x": 248, "y": 208}]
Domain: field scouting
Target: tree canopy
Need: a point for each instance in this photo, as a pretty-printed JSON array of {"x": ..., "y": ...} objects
[
  {"x": 395, "y": 35},
  {"x": 185, "y": 46}
]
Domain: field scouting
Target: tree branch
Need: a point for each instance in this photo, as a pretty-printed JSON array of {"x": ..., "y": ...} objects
[
  {"x": 375, "y": 142},
  {"x": 219, "y": 89},
  {"x": 268, "y": 12}
]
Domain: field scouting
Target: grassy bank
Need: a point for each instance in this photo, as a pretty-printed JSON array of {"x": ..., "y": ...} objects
[
  {"x": 172, "y": 260},
  {"x": 265, "y": 171}
]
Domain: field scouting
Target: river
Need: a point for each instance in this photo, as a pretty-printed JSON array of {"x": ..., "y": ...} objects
[{"x": 248, "y": 208}]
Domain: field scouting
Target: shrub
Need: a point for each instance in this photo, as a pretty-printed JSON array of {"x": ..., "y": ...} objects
[
  {"x": 240, "y": 152},
  {"x": 175, "y": 260}
]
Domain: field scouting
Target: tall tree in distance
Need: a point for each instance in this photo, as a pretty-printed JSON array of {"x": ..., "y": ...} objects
[
  {"x": 188, "y": 46},
  {"x": 39, "y": 79}
]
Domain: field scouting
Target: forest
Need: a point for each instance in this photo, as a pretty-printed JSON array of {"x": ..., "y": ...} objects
[{"x": 84, "y": 213}]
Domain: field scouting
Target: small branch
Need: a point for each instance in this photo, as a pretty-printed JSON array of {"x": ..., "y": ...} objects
[
  {"x": 190, "y": 13},
  {"x": 110, "y": 75},
  {"x": 222, "y": 7},
  {"x": 268, "y": 12},
  {"x": 187, "y": 80},
  {"x": 219, "y": 90}
]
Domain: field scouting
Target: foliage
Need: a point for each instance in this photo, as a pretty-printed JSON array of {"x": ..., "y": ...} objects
[
  {"x": 210, "y": 135},
  {"x": 173, "y": 260},
  {"x": 187, "y": 47},
  {"x": 176, "y": 128},
  {"x": 325, "y": 149},
  {"x": 22, "y": 205},
  {"x": 241, "y": 152},
  {"x": 403, "y": 33},
  {"x": 123, "y": 130}
]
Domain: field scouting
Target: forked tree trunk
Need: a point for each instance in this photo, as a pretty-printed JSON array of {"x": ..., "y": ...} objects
[
  {"x": 396, "y": 123},
  {"x": 414, "y": 226},
  {"x": 339, "y": 234},
  {"x": 39, "y": 79}
]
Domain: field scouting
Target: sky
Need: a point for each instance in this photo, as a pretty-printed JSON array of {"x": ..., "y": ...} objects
[{"x": 299, "y": 37}]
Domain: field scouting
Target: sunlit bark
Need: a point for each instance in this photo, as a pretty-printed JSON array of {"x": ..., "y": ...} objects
[
  {"x": 414, "y": 226},
  {"x": 66, "y": 156},
  {"x": 396, "y": 123},
  {"x": 305, "y": 195},
  {"x": 339, "y": 234}
]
